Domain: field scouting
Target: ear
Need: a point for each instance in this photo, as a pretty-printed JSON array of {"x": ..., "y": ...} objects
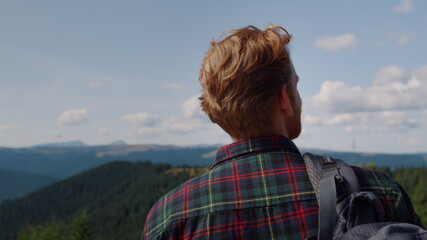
[{"x": 285, "y": 103}]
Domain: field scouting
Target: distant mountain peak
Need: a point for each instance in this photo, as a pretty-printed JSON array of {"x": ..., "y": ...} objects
[
  {"x": 118, "y": 143},
  {"x": 69, "y": 144}
]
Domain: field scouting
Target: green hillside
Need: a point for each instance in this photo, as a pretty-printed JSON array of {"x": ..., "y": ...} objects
[
  {"x": 111, "y": 201},
  {"x": 414, "y": 181},
  {"x": 15, "y": 184},
  {"x": 117, "y": 196}
]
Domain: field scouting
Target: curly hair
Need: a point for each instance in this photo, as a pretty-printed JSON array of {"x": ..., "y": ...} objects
[{"x": 241, "y": 78}]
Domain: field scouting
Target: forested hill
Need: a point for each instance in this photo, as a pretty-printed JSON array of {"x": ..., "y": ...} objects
[
  {"x": 117, "y": 196},
  {"x": 110, "y": 202}
]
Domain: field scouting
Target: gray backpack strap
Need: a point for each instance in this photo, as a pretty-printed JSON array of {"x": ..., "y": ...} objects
[
  {"x": 314, "y": 171},
  {"x": 348, "y": 178},
  {"x": 323, "y": 173}
]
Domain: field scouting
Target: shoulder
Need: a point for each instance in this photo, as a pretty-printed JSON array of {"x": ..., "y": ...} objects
[
  {"x": 396, "y": 202},
  {"x": 370, "y": 179},
  {"x": 175, "y": 205},
  {"x": 388, "y": 190}
]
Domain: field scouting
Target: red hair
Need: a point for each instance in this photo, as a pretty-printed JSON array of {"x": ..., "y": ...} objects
[{"x": 241, "y": 77}]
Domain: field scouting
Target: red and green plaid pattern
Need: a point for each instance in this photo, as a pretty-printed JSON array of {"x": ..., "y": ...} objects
[{"x": 256, "y": 189}]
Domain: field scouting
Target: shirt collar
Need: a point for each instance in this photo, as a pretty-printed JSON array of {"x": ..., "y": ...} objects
[{"x": 253, "y": 145}]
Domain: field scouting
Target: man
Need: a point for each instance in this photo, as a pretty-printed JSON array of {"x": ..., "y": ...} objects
[{"x": 258, "y": 187}]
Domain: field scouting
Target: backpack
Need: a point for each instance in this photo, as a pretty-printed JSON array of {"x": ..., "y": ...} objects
[{"x": 346, "y": 212}]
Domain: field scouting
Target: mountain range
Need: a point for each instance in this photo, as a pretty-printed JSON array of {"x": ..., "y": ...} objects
[
  {"x": 62, "y": 162},
  {"x": 44, "y": 164}
]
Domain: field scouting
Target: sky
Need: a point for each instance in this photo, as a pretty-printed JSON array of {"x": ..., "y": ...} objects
[{"x": 100, "y": 71}]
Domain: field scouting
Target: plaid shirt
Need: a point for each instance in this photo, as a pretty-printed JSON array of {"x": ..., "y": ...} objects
[{"x": 257, "y": 189}]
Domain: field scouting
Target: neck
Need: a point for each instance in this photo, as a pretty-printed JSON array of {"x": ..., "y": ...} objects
[{"x": 277, "y": 128}]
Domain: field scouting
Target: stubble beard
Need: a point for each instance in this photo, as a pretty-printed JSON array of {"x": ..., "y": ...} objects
[{"x": 295, "y": 128}]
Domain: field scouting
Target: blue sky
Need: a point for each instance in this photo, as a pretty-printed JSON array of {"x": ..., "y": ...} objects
[{"x": 100, "y": 71}]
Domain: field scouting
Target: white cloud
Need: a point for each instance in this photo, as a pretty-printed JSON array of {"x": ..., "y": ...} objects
[
  {"x": 106, "y": 131},
  {"x": 74, "y": 117},
  {"x": 174, "y": 125},
  {"x": 173, "y": 86},
  {"x": 390, "y": 74},
  {"x": 192, "y": 107},
  {"x": 384, "y": 121},
  {"x": 56, "y": 134},
  {"x": 404, "y": 6},
  {"x": 390, "y": 121},
  {"x": 94, "y": 84},
  {"x": 345, "y": 118},
  {"x": 413, "y": 141},
  {"x": 350, "y": 129},
  {"x": 182, "y": 125},
  {"x": 150, "y": 131},
  {"x": 392, "y": 89},
  {"x": 141, "y": 119},
  {"x": 402, "y": 38},
  {"x": 192, "y": 119},
  {"x": 421, "y": 73},
  {"x": 345, "y": 41},
  {"x": 9, "y": 128},
  {"x": 310, "y": 119}
]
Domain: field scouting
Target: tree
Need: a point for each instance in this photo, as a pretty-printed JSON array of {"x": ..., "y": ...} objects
[
  {"x": 51, "y": 231},
  {"x": 79, "y": 229},
  {"x": 80, "y": 226}
]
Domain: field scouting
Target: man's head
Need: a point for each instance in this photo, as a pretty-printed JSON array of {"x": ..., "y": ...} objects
[{"x": 243, "y": 77}]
